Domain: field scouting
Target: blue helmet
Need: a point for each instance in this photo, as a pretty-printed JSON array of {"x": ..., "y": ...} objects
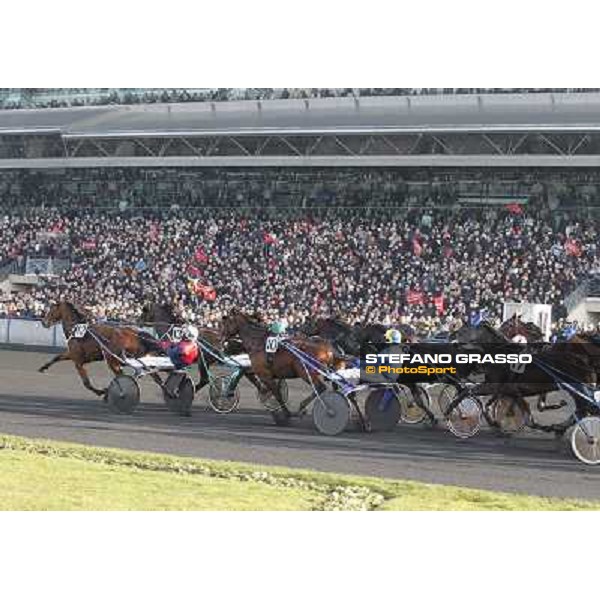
[{"x": 393, "y": 336}]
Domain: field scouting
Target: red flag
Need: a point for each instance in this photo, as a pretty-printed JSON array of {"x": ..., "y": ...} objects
[
  {"x": 572, "y": 248},
  {"x": 200, "y": 255},
  {"x": 194, "y": 271},
  {"x": 417, "y": 247},
  {"x": 514, "y": 208},
  {"x": 414, "y": 297},
  {"x": 154, "y": 231}
]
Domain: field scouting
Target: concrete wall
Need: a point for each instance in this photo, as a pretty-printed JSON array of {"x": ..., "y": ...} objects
[{"x": 21, "y": 332}]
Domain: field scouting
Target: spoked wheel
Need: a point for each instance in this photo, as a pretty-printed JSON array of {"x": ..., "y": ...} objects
[
  {"x": 464, "y": 420},
  {"x": 585, "y": 440},
  {"x": 178, "y": 393},
  {"x": 446, "y": 396},
  {"x": 410, "y": 411},
  {"x": 331, "y": 413},
  {"x": 509, "y": 415},
  {"x": 382, "y": 409},
  {"x": 123, "y": 395},
  {"x": 220, "y": 398}
]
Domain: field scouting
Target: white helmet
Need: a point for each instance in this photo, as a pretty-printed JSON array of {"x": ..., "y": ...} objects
[{"x": 190, "y": 332}]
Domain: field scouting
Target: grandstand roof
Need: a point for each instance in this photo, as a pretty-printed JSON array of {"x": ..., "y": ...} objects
[{"x": 494, "y": 112}]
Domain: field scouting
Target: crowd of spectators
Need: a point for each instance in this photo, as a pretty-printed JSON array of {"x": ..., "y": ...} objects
[
  {"x": 430, "y": 268},
  {"x": 15, "y": 98}
]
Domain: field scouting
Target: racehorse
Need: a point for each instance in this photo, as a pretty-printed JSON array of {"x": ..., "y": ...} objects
[
  {"x": 349, "y": 339},
  {"x": 97, "y": 342},
  {"x": 163, "y": 317},
  {"x": 539, "y": 378},
  {"x": 515, "y": 327},
  {"x": 282, "y": 364},
  {"x": 341, "y": 334}
]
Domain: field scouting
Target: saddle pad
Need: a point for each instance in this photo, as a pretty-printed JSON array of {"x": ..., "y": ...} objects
[
  {"x": 151, "y": 362},
  {"x": 351, "y": 375},
  {"x": 243, "y": 360}
]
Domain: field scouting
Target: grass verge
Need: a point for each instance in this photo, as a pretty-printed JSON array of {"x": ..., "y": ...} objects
[{"x": 44, "y": 475}]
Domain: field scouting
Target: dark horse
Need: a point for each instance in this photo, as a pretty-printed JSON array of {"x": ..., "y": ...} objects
[
  {"x": 508, "y": 389},
  {"x": 99, "y": 342},
  {"x": 163, "y": 318},
  {"x": 282, "y": 364},
  {"x": 515, "y": 326},
  {"x": 349, "y": 339}
]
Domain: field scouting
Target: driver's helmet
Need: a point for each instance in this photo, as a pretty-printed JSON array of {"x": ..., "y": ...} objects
[
  {"x": 278, "y": 327},
  {"x": 393, "y": 336},
  {"x": 190, "y": 332}
]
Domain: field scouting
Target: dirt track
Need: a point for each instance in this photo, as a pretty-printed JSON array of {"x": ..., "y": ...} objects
[{"x": 56, "y": 406}]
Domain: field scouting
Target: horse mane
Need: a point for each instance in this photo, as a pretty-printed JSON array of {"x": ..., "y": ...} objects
[
  {"x": 79, "y": 312},
  {"x": 497, "y": 332}
]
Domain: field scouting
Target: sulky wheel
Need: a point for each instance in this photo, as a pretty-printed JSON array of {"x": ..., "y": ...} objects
[
  {"x": 509, "y": 415},
  {"x": 331, "y": 413},
  {"x": 382, "y": 409},
  {"x": 178, "y": 393},
  {"x": 123, "y": 395},
  {"x": 447, "y": 394},
  {"x": 410, "y": 411},
  {"x": 220, "y": 398},
  {"x": 464, "y": 420},
  {"x": 585, "y": 440}
]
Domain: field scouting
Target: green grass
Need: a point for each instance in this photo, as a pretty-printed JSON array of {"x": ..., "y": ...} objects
[
  {"x": 30, "y": 482},
  {"x": 43, "y": 475}
]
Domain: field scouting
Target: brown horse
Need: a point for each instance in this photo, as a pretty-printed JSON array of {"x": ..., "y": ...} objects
[
  {"x": 94, "y": 342},
  {"x": 282, "y": 364}
]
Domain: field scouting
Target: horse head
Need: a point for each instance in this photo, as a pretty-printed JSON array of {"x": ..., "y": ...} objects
[
  {"x": 65, "y": 312},
  {"x": 54, "y": 315},
  {"x": 232, "y": 323},
  {"x": 483, "y": 333}
]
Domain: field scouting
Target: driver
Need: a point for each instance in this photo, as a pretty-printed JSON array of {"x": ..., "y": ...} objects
[
  {"x": 186, "y": 352},
  {"x": 393, "y": 336},
  {"x": 278, "y": 327}
]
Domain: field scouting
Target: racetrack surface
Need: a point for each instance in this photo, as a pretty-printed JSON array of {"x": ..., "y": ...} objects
[{"x": 56, "y": 406}]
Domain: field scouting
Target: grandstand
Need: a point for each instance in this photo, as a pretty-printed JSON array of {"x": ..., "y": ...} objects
[
  {"x": 15, "y": 98},
  {"x": 446, "y": 174}
]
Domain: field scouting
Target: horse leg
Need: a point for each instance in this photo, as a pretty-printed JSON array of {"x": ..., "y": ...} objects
[
  {"x": 59, "y": 357},
  {"x": 86, "y": 380},
  {"x": 318, "y": 387},
  {"x": 114, "y": 365},
  {"x": 253, "y": 379},
  {"x": 281, "y": 416}
]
